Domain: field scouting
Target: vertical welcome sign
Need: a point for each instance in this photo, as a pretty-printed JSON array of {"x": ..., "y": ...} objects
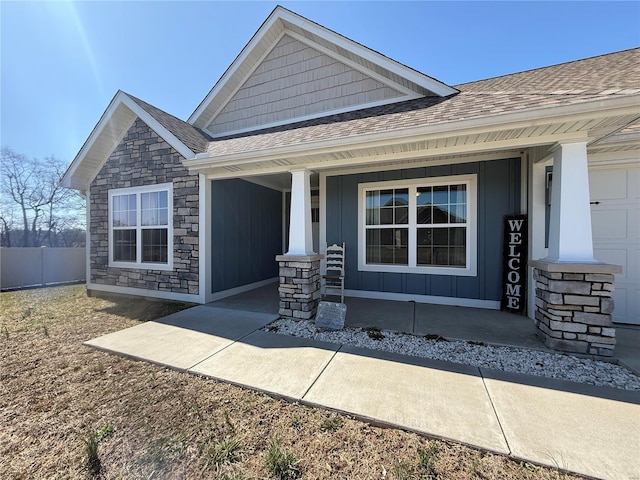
[{"x": 514, "y": 263}]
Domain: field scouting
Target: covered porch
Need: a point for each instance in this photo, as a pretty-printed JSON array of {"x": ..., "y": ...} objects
[
  {"x": 491, "y": 327},
  {"x": 503, "y": 168},
  {"x": 451, "y": 322}
]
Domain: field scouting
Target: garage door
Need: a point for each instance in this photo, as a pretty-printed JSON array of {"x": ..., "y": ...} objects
[{"x": 615, "y": 219}]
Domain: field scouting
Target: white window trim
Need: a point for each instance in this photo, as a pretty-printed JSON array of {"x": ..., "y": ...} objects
[
  {"x": 471, "y": 270},
  {"x": 166, "y": 187}
]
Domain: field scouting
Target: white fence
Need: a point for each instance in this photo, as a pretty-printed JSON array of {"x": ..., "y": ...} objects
[{"x": 31, "y": 266}]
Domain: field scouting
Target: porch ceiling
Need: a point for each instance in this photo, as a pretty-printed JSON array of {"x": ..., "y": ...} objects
[{"x": 418, "y": 145}]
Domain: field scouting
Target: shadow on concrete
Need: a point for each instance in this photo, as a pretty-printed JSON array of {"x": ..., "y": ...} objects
[
  {"x": 244, "y": 328},
  {"x": 608, "y": 393},
  {"x": 491, "y": 327}
]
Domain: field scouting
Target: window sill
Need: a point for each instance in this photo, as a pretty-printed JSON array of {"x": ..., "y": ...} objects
[
  {"x": 449, "y": 271},
  {"x": 141, "y": 266}
]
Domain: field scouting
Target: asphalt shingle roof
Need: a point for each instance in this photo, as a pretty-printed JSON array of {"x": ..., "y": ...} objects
[
  {"x": 192, "y": 137},
  {"x": 606, "y": 74}
]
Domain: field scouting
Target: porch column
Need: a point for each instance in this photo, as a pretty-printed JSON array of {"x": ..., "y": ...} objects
[
  {"x": 300, "y": 232},
  {"x": 570, "y": 238},
  {"x": 573, "y": 303},
  {"x": 299, "y": 268}
]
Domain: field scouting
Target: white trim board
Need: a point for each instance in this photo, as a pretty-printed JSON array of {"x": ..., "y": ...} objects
[
  {"x": 241, "y": 289},
  {"x": 141, "y": 292},
  {"x": 407, "y": 92},
  {"x": 204, "y": 238},
  {"x": 221, "y": 84},
  {"x": 407, "y": 297},
  {"x": 404, "y": 92},
  {"x": 120, "y": 100},
  {"x": 282, "y": 21},
  {"x": 87, "y": 236},
  {"x": 139, "y": 264},
  {"x": 313, "y": 116}
]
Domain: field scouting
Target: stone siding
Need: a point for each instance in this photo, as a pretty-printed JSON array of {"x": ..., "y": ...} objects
[
  {"x": 143, "y": 158},
  {"x": 573, "y": 311},
  {"x": 299, "y": 285}
]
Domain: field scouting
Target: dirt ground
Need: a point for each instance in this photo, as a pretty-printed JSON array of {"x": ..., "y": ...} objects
[{"x": 150, "y": 422}]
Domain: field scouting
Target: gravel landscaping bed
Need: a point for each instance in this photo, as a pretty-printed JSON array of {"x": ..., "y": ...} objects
[{"x": 510, "y": 359}]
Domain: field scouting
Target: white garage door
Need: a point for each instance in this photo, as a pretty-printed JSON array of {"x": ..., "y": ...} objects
[{"x": 615, "y": 219}]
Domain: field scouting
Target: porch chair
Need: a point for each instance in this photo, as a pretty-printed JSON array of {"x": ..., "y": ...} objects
[{"x": 334, "y": 271}]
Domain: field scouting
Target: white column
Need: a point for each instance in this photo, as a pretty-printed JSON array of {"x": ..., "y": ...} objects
[
  {"x": 300, "y": 233},
  {"x": 570, "y": 238}
]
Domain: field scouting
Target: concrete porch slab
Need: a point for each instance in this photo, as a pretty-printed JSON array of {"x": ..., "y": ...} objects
[
  {"x": 183, "y": 339},
  {"x": 581, "y": 428},
  {"x": 278, "y": 364},
  {"x": 445, "y": 400}
]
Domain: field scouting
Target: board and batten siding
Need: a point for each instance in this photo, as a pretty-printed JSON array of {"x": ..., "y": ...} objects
[
  {"x": 246, "y": 233},
  {"x": 293, "y": 81},
  {"x": 499, "y": 191}
]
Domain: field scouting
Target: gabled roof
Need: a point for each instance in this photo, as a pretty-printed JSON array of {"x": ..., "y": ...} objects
[
  {"x": 192, "y": 137},
  {"x": 282, "y": 21},
  {"x": 615, "y": 75},
  {"x": 113, "y": 125}
]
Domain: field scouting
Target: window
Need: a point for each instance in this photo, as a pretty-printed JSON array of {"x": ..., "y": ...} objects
[
  {"x": 387, "y": 226},
  {"x": 140, "y": 227},
  {"x": 418, "y": 226}
]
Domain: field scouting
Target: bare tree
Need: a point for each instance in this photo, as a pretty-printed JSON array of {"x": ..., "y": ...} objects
[{"x": 31, "y": 196}]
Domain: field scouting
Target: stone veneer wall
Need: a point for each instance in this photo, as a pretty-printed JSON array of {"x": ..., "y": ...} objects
[
  {"x": 299, "y": 285},
  {"x": 143, "y": 158},
  {"x": 574, "y": 306}
]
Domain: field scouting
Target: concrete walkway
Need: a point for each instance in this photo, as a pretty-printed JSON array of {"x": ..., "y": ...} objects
[{"x": 590, "y": 430}]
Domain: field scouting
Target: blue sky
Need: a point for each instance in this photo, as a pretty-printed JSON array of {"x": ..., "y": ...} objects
[{"x": 62, "y": 62}]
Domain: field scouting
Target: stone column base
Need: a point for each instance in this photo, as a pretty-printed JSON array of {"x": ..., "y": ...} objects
[
  {"x": 299, "y": 285},
  {"x": 574, "y": 306}
]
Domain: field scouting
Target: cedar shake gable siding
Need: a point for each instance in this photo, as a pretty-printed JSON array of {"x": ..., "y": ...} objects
[{"x": 144, "y": 158}]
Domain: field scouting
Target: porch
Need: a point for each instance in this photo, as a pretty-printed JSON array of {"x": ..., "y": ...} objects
[
  {"x": 454, "y": 323},
  {"x": 492, "y": 327}
]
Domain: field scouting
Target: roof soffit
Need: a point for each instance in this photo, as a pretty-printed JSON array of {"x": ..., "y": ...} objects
[
  {"x": 281, "y": 22},
  {"x": 518, "y": 130}
]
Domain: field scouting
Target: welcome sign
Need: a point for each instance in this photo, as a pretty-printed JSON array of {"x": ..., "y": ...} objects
[{"x": 514, "y": 263}]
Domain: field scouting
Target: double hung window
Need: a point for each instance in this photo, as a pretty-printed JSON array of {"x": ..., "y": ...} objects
[
  {"x": 140, "y": 227},
  {"x": 419, "y": 226}
]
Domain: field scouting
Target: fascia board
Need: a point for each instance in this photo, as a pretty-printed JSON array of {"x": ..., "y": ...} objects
[
  {"x": 414, "y": 76},
  {"x": 277, "y": 20},
  {"x": 268, "y": 24},
  {"x": 356, "y": 66},
  {"x": 238, "y": 86},
  {"x": 120, "y": 99},
  {"x": 67, "y": 179},
  {"x": 527, "y": 118}
]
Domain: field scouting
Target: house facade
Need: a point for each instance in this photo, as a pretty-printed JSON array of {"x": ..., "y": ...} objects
[{"x": 310, "y": 139}]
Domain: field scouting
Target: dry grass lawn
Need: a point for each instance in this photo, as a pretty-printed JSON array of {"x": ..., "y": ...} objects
[{"x": 150, "y": 422}]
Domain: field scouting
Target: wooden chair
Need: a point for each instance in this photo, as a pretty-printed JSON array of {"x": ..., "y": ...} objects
[{"x": 334, "y": 271}]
